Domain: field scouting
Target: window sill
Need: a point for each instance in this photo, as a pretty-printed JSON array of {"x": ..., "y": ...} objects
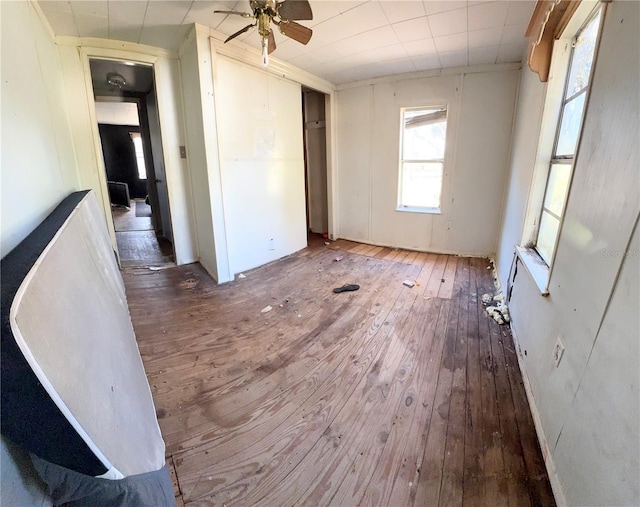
[
  {"x": 411, "y": 209},
  {"x": 536, "y": 268}
]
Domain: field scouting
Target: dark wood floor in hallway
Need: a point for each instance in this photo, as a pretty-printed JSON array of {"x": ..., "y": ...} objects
[{"x": 386, "y": 396}]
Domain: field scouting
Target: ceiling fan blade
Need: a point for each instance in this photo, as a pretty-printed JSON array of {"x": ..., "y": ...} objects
[
  {"x": 296, "y": 31},
  {"x": 239, "y": 32},
  {"x": 271, "y": 42},
  {"x": 243, "y": 14},
  {"x": 294, "y": 9}
]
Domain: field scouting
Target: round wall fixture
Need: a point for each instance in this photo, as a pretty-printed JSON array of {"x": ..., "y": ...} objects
[{"x": 115, "y": 79}]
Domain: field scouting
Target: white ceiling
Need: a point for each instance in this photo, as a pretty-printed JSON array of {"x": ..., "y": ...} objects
[{"x": 352, "y": 39}]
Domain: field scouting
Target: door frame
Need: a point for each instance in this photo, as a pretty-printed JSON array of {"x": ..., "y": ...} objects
[{"x": 97, "y": 53}]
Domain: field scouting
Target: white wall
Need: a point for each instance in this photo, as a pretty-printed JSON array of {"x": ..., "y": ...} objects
[
  {"x": 38, "y": 171},
  {"x": 202, "y": 153},
  {"x": 588, "y": 408},
  {"x": 117, "y": 113},
  {"x": 259, "y": 120},
  {"x": 481, "y": 106},
  {"x": 38, "y": 164},
  {"x": 523, "y": 156}
]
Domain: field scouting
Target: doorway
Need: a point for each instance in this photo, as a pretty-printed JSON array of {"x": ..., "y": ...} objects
[
  {"x": 126, "y": 112},
  {"x": 315, "y": 161}
]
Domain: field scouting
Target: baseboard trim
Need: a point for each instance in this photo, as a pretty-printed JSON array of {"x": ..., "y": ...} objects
[{"x": 556, "y": 486}]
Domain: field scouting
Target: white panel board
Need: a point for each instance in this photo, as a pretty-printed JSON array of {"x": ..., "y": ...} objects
[
  {"x": 482, "y": 160},
  {"x": 259, "y": 119},
  {"x": 598, "y": 452},
  {"x": 71, "y": 321},
  {"x": 354, "y": 172}
]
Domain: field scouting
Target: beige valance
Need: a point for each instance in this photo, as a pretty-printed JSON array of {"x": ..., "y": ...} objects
[{"x": 549, "y": 19}]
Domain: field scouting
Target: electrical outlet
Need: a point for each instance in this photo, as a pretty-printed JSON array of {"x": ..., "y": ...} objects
[{"x": 558, "y": 351}]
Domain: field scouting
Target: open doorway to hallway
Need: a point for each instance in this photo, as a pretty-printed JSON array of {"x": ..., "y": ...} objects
[{"x": 126, "y": 113}]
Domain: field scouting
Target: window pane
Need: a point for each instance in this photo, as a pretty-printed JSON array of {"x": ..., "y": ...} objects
[
  {"x": 421, "y": 184},
  {"x": 424, "y": 134},
  {"x": 557, "y": 186},
  {"x": 582, "y": 58},
  {"x": 137, "y": 144},
  {"x": 570, "y": 127},
  {"x": 547, "y": 235}
]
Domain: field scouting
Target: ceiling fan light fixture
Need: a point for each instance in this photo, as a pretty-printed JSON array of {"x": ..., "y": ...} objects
[{"x": 282, "y": 13}]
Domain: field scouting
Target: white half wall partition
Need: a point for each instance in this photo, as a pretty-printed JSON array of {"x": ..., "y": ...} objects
[{"x": 481, "y": 102}]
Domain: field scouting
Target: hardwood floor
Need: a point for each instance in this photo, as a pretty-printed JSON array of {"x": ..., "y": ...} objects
[
  {"x": 125, "y": 219},
  {"x": 386, "y": 396},
  {"x": 138, "y": 244}
]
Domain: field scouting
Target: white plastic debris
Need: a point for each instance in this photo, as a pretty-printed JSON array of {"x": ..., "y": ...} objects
[
  {"x": 499, "y": 313},
  {"x": 495, "y": 314},
  {"x": 266, "y": 309},
  {"x": 338, "y": 258},
  {"x": 408, "y": 283},
  {"x": 498, "y": 310},
  {"x": 327, "y": 243},
  {"x": 241, "y": 275}
]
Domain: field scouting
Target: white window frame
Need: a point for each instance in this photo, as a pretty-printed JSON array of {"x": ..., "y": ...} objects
[
  {"x": 539, "y": 268},
  {"x": 420, "y": 209}
]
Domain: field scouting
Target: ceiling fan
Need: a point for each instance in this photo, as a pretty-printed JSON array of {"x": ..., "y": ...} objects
[{"x": 283, "y": 14}]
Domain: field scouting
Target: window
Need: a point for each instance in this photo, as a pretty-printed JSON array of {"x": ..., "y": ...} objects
[
  {"x": 422, "y": 148},
  {"x": 137, "y": 144},
  {"x": 567, "y": 137}
]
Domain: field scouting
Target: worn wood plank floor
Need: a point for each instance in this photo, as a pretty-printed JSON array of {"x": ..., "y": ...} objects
[{"x": 386, "y": 396}]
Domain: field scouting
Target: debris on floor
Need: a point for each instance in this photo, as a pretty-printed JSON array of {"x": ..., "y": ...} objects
[
  {"x": 189, "y": 283},
  {"x": 499, "y": 313},
  {"x": 266, "y": 309},
  {"x": 495, "y": 304},
  {"x": 160, "y": 268},
  {"x": 242, "y": 275},
  {"x": 338, "y": 258},
  {"x": 327, "y": 243},
  {"x": 408, "y": 283},
  {"x": 346, "y": 288}
]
